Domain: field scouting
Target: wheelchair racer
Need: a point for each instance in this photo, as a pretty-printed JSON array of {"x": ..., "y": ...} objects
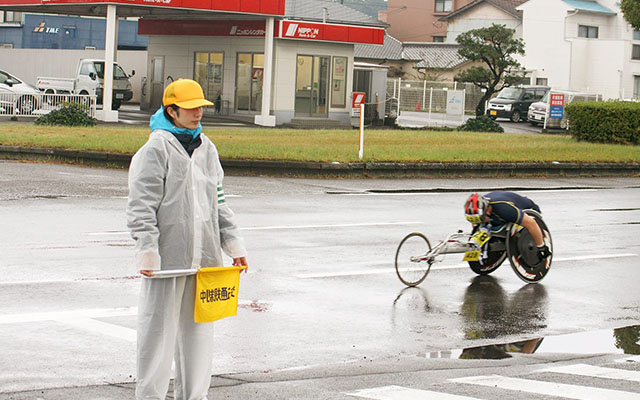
[{"x": 495, "y": 209}]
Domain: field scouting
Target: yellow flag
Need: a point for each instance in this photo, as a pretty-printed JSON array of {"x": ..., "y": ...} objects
[{"x": 216, "y": 293}]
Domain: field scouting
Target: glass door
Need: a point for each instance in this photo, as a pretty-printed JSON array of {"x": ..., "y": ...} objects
[
  {"x": 249, "y": 78},
  {"x": 208, "y": 73},
  {"x": 312, "y": 83}
]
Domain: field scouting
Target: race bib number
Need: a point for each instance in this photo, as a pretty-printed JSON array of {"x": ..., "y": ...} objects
[
  {"x": 481, "y": 237},
  {"x": 473, "y": 255}
]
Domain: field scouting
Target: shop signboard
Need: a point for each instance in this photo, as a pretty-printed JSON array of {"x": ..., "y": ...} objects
[
  {"x": 556, "y": 103},
  {"x": 356, "y": 100},
  {"x": 330, "y": 32},
  {"x": 201, "y": 28}
]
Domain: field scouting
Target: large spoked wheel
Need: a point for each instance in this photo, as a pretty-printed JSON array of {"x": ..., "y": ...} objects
[
  {"x": 497, "y": 255},
  {"x": 523, "y": 252},
  {"x": 412, "y": 266}
]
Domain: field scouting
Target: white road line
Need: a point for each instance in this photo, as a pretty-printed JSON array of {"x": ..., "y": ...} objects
[
  {"x": 547, "y": 388},
  {"x": 391, "y": 269},
  {"x": 629, "y": 359},
  {"x": 595, "y": 372},
  {"x": 68, "y": 315},
  {"x": 261, "y": 228},
  {"x": 402, "y": 393},
  {"x": 595, "y": 257},
  {"x": 103, "y": 328},
  {"x": 90, "y": 313}
]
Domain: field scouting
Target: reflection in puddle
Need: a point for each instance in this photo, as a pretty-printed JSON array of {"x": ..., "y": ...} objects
[
  {"x": 625, "y": 340},
  {"x": 489, "y": 312}
]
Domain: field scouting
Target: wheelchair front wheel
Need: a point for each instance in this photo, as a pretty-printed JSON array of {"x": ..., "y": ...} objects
[
  {"x": 523, "y": 252},
  {"x": 411, "y": 264}
]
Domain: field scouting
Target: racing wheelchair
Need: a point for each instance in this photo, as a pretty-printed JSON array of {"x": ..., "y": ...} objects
[{"x": 484, "y": 252}]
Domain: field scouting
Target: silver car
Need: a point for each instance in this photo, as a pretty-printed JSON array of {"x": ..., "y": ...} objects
[{"x": 17, "y": 96}]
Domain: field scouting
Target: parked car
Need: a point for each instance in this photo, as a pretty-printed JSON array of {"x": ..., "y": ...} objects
[
  {"x": 89, "y": 80},
  {"x": 538, "y": 110},
  {"x": 16, "y": 94},
  {"x": 513, "y": 102}
]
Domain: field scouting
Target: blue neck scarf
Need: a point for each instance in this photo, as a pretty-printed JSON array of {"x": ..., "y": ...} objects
[{"x": 159, "y": 121}]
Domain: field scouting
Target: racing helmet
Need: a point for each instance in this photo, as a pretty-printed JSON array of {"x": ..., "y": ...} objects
[{"x": 475, "y": 208}]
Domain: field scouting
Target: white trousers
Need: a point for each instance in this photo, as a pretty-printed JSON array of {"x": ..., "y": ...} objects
[{"x": 166, "y": 332}]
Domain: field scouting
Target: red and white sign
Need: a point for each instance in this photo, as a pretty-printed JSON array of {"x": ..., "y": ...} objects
[
  {"x": 201, "y": 28},
  {"x": 330, "y": 32},
  {"x": 357, "y": 99},
  {"x": 266, "y": 7},
  {"x": 557, "y": 100}
]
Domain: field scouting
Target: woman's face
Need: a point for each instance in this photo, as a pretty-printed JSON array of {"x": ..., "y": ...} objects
[{"x": 186, "y": 118}]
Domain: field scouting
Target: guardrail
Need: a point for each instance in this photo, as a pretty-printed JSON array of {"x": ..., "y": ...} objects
[{"x": 34, "y": 105}]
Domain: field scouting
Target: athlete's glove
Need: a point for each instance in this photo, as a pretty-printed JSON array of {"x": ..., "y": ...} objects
[{"x": 543, "y": 251}]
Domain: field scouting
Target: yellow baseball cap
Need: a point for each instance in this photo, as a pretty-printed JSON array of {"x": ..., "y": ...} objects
[{"x": 185, "y": 93}]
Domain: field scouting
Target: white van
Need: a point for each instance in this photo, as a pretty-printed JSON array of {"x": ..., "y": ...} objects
[{"x": 538, "y": 111}]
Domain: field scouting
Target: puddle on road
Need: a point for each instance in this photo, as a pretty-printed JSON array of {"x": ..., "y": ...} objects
[{"x": 625, "y": 340}]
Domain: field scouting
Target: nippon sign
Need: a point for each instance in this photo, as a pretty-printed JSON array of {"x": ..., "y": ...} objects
[
  {"x": 357, "y": 98},
  {"x": 302, "y": 32},
  {"x": 201, "y": 28},
  {"x": 261, "y": 7},
  {"x": 556, "y": 105},
  {"x": 329, "y": 32}
]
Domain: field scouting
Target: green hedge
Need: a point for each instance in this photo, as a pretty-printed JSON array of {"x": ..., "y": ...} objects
[{"x": 605, "y": 122}]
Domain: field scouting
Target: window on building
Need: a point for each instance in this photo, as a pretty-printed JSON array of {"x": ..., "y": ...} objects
[
  {"x": 636, "y": 35},
  {"x": 439, "y": 39},
  {"x": 339, "y": 83},
  {"x": 635, "y": 52},
  {"x": 443, "y": 6},
  {"x": 10, "y": 17},
  {"x": 636, "y": 87},
  {"x": 542, "y": 81},
  {"x": 586, "y": 31}
]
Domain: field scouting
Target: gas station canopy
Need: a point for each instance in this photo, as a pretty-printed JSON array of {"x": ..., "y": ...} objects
[{"x": 141, "y": 8}]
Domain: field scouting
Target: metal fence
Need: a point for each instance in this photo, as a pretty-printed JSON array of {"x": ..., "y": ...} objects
[
  {"x": 430, "y": 96},
  {"x": 34, "y": 105}
]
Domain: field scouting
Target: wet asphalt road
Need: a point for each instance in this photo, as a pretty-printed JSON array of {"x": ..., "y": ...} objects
[{"x": 321, "y": 297}]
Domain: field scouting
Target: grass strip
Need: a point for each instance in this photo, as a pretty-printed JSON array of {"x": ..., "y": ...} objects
[{"x": 336, "y": 145}]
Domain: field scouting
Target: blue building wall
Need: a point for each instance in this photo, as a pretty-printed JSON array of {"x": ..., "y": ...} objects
[{"x": 41, "y": 31}]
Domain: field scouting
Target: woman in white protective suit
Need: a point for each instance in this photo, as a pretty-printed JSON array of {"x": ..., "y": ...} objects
[{"x": 179, "y": 219}]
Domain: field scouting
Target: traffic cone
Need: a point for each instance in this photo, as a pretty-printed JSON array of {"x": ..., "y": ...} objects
[{"x": 419, "y": 105}]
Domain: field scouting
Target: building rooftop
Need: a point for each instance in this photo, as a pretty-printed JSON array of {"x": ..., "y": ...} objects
[
  {"x": 589, "y": 6},
  {"x": 425, "y": 54},
  {"x": 508, "y": 6},
  {"x": 434, "y": 55},
  {"x": 314, "y": 10}
]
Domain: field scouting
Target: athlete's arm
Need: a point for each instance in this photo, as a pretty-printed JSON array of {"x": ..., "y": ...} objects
[{"x": 533, "y": 229}]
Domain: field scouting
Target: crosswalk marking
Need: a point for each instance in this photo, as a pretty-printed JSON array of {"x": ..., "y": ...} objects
[
  {"x": 103, "y": 328},
  {"x": 402, "y": 393},
  {"x": 595, "y": 372},
  {"x": 548, "y": 388}
]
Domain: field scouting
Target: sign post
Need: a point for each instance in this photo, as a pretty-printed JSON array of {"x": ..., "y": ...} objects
[
  {"x": 555, "y": 107},
  {"x": 361, "y": 149},
  {"x": 357, "y": 110}
]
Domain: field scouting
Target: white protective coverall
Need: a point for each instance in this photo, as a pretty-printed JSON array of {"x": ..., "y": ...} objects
[{"x": 179, "y": 219}]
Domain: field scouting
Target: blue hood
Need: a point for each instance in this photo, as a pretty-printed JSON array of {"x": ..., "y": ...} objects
[{"x": 159, "y": 121}]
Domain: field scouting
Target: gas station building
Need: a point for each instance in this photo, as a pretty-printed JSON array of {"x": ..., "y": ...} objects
[{"x": 271, "y": 60}]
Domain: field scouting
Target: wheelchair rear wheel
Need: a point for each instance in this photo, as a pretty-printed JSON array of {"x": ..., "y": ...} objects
[{"x": 523, "y": 252}]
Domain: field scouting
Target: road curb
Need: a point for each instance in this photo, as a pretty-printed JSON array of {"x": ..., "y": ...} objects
[{"x": 355, "y": 169}]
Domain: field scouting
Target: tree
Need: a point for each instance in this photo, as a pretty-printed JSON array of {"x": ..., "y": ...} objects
[
  {"x": 495, "y": 47},
  {"x": 631, "y": 11}
]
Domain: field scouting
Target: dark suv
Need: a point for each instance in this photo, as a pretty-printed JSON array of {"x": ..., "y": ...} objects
[{"x": 514, "y": 102}]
